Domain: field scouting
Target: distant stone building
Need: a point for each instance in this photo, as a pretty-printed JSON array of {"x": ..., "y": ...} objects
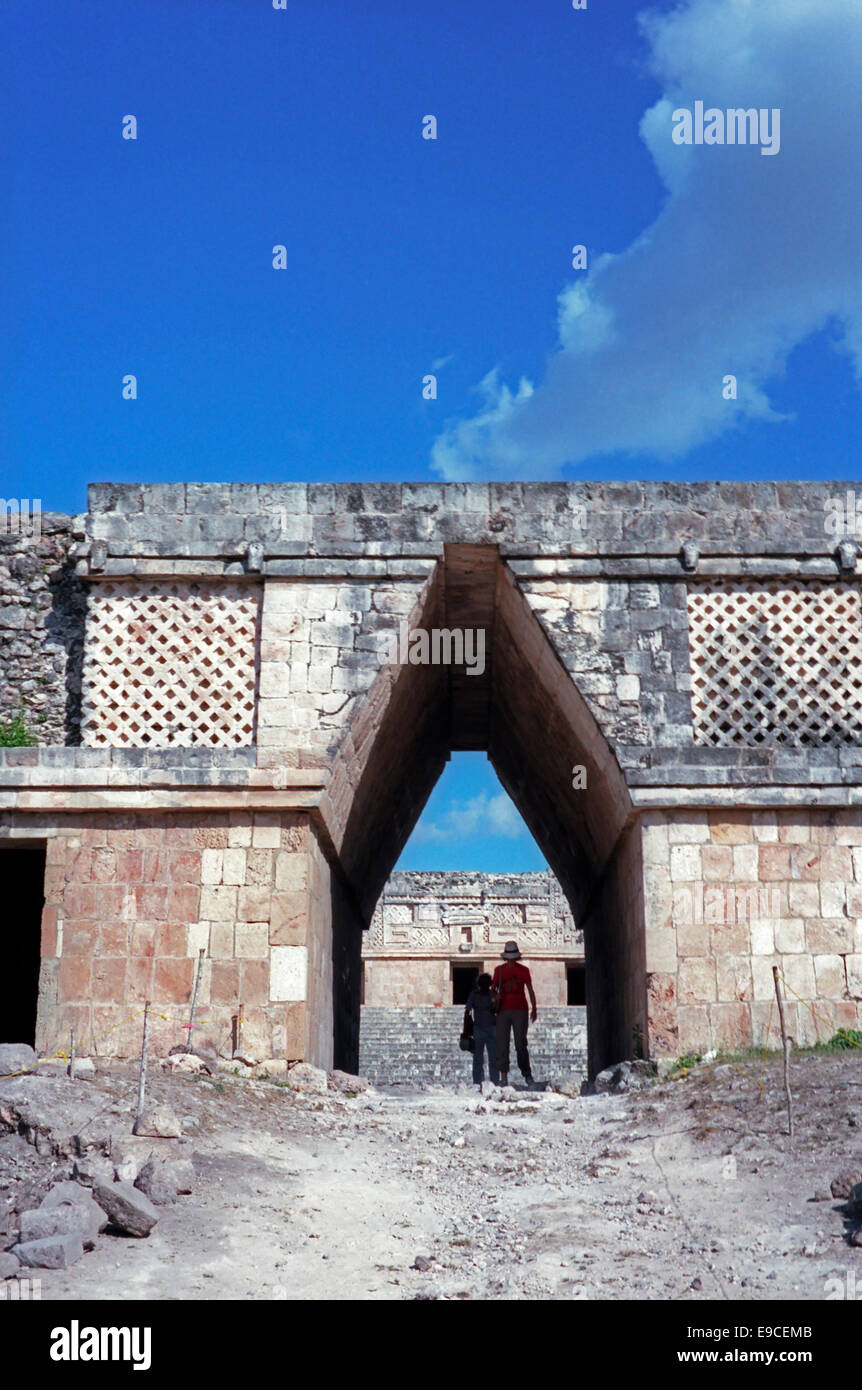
[{"x": 433, "y": 933}]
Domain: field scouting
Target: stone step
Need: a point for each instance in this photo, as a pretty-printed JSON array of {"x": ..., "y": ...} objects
[{"x": 420, "y": 1044}]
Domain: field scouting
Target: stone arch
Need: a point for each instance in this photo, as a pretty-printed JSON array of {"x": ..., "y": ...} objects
[{"x": 527, "y": 714}]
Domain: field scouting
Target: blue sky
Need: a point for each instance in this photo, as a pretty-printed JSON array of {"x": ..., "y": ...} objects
[{"x": 303, "y": 127}]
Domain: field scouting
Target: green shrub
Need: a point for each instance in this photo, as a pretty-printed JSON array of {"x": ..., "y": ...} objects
[{"x": 14, "y": 733}]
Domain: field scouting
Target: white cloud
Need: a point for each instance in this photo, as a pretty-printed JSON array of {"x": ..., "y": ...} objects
[
  {"x": 482, "y": 815},
  {"x": 748, "y": 257}
]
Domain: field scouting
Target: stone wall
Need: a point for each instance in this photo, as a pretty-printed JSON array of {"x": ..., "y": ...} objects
[
  {"x": 730, "y": 894},
  {"x": 129, "y": 903},
  {"x": 42, "y": 603},
  {"x": 586, "y": 592}
]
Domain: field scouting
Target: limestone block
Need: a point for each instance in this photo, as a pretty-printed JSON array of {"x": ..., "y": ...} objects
[
  {"x": 762, "y": 937},
  {"x": 733, "y": 978},
  {"x": 288, "y": 973},
  {"x": 804, "y": 899},
  {"x": 717, "y": 863},
  {"x": 789, "y": 935},
  {"x": 832, "y": 898},
  {"x": 218, "y": 904},
  {"x": 693, "y": 830},
  {"x": 685, "y": 863},
  {"x": 829, "y": 976},
  {"x": 745, "y": 863},
  {"x": 696, "y": 981}
]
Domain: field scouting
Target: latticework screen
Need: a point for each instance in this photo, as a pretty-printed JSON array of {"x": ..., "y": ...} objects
[
  {"x": 170, "y": 665},
  {"x": 775, "y": 662}
]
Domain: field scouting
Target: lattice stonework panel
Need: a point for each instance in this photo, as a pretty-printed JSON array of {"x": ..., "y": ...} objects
[
  {"x": 170, "y": 665},
  {"x": 775, "y": 662}
]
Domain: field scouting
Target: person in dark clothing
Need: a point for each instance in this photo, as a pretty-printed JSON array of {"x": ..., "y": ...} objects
[
  {"x": 512, "y": 982},
  {"x": 484, "y": 1030}
]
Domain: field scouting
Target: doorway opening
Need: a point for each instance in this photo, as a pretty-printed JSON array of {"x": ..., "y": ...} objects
[
  {"x": 464, "y": 978},
  {"x": 576, "y": 985},
  {"x": 23, "y": 869}
]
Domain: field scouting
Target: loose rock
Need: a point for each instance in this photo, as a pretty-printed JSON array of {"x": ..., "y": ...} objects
[
  {"x": 156, "y": 1182},
  {"x": 343, "y": 1081},
  {"x": 846, "y": 1180},
  {"x": 159, "y": 1123},
  {"x": 16, "y": 1057},
  {"x": 127, "y": 1208},
  {"x": 305, "y": 1077},
  {"x": 91, "y": 1168},
  {"x": 66, "y": 1220},
  {"x": 82, "y": 1069},
  {"x": 58, "y": 1252},
  {"x": 9, "y": 1264}
]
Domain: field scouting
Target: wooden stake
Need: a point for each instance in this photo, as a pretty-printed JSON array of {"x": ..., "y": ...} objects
[
  {"x": 201, "y": 954},
  {"x": 142, "y": 1082},
  {"x": 786, "y": 1042},
  {"x": 72, "y": 1057}
]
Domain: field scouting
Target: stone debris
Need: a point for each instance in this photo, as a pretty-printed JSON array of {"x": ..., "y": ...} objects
[
  {"x": 343, "y": 1081},
  {"x": 182, "y": 1173},
  {"x": 159, "y": 1123},
  {"x": 127, "y": 1208},
  {"x": 422, "y": 1263},
  {"x": 855, "y": 1202},
  {"x": 82, "y": 1069},
  {"x": 186, "y": 1062},
  {"x": 570, "y": 1085},
  {"x": 57, "y": 1252},
  {"x": 73, "y": 1197},
  {"x": 9, "y": 1264},
  {"x": 65, "y": 1220},
  {"x": 305, "y": 1077},
  {"x": 16, "y": 1057},
  {"x": 90, "y": 1168},
  {"x": 625, "y": 1076},
  {"x": 156, "y": 1182},
  {"x": 844, "y": 1182}
]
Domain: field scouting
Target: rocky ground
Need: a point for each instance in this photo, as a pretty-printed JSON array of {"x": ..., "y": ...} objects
[{"x": 690, "y": 1189}]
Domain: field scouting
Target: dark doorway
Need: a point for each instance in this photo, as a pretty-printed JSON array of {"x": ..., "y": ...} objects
[
  {"x": 23, "y": 873},
  {"x": 464, "y": 978},
  {"x": 576, "y": 984}
]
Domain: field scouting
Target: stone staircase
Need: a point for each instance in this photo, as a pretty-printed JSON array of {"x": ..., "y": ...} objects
[{"x": 420, "y": 1045}]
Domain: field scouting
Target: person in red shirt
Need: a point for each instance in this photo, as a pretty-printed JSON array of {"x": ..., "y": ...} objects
[{"x": 512, "y": 984}]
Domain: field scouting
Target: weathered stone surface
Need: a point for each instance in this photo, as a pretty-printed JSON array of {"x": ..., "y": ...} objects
[
  {"x": 625, "y": 1076},
  {"x": 855, "y": 1202},
  {"x": 343, "y": 1081},
  {"x": 156, "y": 1182},
  {"x": 82, "y": 1069},
  {"x": 16, "y": 1057},
  {"x": 90, "y": 1168},
  {"x": 186, "y": 1062},
  {"x": 843, "y": 1183},
  {"x": 68, "y": 1219},
  {"x": 9, "y": 1264},
  {"x": 305, "y": 1077},
  {"x": 56, "y": 1252},
  {"x": 159, "y": 1123},
  {"x": 126, "y": 1207}
]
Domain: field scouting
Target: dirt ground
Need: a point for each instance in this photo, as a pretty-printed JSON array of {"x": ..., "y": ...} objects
[{"x": 689, "y": 1190}]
